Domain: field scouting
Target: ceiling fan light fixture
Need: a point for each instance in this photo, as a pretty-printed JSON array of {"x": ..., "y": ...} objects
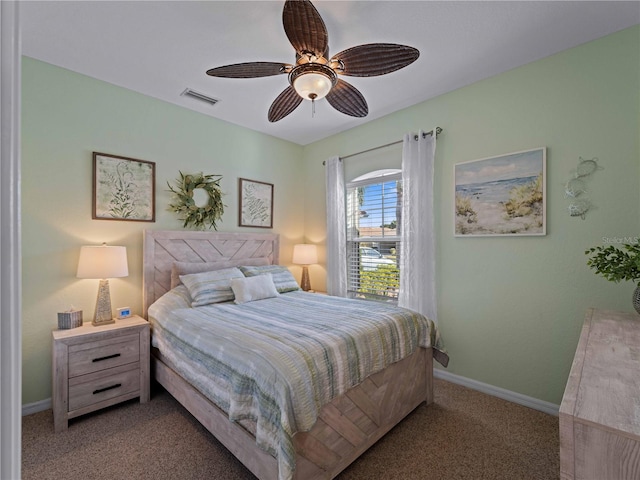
[
  {"x": 312, "y": 86},
  {"x": 312, "y": 81}
]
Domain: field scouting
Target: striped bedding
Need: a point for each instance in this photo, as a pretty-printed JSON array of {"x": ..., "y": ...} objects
[{"x": 277, "y": 361}]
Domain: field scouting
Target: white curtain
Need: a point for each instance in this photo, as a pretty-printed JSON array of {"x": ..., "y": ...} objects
[
  {"x": 336, "y": 228},
  {"x": 417, "y": 252}
]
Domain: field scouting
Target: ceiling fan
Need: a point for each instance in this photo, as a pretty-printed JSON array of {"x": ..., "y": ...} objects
[{"x": 315, "y": 73}]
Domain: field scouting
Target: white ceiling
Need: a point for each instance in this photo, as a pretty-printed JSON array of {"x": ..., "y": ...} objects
[{"x": 159, "y": 48}]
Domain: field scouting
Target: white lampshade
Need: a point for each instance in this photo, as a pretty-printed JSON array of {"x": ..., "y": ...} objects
[
  {"x": 312, "y": 86},
  {"x": 102, "y": 262},
  {"x": 305, "y": 254}
]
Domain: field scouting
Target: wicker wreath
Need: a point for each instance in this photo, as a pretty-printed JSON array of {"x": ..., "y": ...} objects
[{"x": 184, "y": 204}]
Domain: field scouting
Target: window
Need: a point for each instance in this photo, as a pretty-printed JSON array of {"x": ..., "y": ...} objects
[{"x": 374, "y": 211}]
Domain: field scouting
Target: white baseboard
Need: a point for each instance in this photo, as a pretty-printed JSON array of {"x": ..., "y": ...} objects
[
  {"x": 36, "y": 407},
  {"x": 541, "y": 405}
]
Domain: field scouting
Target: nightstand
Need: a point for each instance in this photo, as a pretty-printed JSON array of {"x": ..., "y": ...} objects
[{"x": 95, "y": 367}]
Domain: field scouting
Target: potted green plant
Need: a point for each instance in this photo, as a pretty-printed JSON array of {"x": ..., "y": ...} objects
[{"x": 617, "y": 264}]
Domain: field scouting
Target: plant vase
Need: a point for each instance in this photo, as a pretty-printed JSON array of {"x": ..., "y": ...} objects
[{"x": 636, "y": 299}]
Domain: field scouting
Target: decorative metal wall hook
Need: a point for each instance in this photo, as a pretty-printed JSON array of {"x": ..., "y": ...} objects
[
  {"x": 576, "y": 187},
  {"x": 587, "y": 167}
]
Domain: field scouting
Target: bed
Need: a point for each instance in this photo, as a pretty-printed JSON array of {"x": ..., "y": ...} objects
[{"x": 346, "y": 426}]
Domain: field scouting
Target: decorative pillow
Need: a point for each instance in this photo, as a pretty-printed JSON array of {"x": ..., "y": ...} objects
[
  {"x": 248, "y": 289},
  {"x": 282, "y": 277},
  {"x": 185, "y": 268},
  {"x": 211, "y": 287}
]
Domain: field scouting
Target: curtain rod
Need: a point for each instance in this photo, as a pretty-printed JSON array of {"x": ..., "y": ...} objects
[{"x": 424, "y": 135}]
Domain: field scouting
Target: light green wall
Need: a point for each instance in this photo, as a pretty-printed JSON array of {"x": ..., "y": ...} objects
[
  {"x": 67, "y": 116},
  {"x": 510, "y": 309}
]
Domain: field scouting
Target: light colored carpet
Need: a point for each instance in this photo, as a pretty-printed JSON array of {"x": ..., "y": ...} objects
[{"x": 463, "y": 435}]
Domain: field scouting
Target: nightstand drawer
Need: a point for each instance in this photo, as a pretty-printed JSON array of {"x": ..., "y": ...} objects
[
  {"x": 103, "y": 385},
  {"x": 102, "y": 354}
]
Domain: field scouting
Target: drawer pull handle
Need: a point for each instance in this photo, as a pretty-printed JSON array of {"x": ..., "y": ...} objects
[
  {"x": 106, "y": 358},
  {"x": 100, "y": 390}
]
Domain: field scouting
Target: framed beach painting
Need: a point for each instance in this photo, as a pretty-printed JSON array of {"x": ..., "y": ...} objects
[
  {"x": 123, "y": 188},
  {"x": 502, "y": 195},
  {"x": 256, "y": 203}
]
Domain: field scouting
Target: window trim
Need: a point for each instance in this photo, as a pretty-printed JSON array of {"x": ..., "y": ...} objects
[{"x": 361, "y": 181}]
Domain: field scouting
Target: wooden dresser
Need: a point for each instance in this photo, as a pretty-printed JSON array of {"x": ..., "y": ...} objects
[{"x": 600, "y": 410}]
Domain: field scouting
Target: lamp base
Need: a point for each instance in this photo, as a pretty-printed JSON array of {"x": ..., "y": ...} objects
[
  {"x": 103, "y": 314},
  {"x": 305, "y": 284}
]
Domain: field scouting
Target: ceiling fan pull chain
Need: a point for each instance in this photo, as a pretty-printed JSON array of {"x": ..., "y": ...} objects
[{"x": 313, "y": 96}]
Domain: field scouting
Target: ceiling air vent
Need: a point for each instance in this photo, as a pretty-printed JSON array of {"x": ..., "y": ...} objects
[{"x": 199, "y": 96}]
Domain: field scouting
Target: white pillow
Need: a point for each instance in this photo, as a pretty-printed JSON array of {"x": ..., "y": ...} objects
[
  {"x": 211, "y": 287},
  {"x": 249, "y": 289}
]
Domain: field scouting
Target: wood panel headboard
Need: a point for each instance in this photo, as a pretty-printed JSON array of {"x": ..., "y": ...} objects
[{"x": 164, "y": 247}]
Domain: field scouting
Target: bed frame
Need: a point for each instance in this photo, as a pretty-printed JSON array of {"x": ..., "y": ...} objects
[{"x": 346, "y": 427}]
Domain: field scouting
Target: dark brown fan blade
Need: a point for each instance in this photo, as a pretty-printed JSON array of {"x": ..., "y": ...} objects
[
  {"x": 347, "y": 99},
  {"x": 249, "y": 70},
  {"x": 286, "y": 103},
  {"x": 304, "y": 27},
  {"x": 375, "y": 59}
]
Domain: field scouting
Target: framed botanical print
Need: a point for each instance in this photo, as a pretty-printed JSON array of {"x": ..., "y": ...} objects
[
  {"x": 123, "y": 188},
  {"x": 255, "y": 203}
]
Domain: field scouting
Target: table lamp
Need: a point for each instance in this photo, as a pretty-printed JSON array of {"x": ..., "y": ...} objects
[
  {"x": 103, "y": 262},
  {"x": 305, "y": 254}
]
